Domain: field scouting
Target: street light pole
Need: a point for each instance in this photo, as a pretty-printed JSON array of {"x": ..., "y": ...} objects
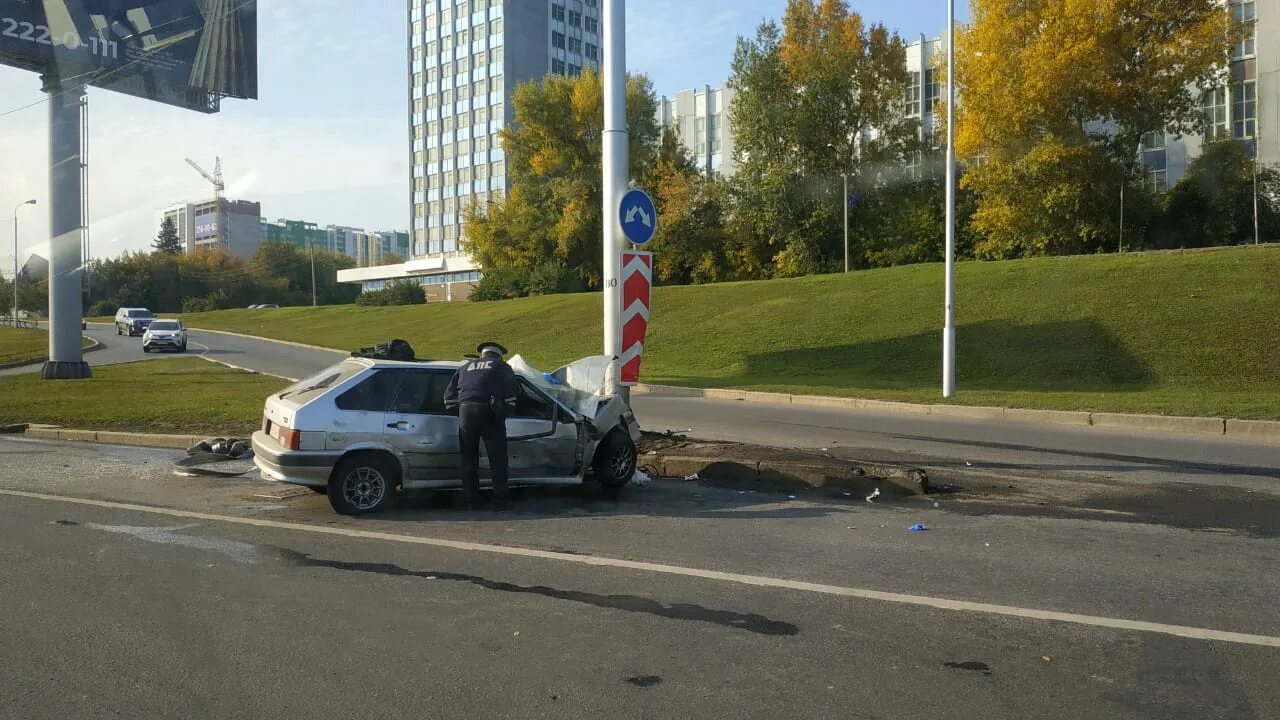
[
  {"x": 949, "y": 328},
  {"x": 615, "y": 173},
  {"x": 15, "y": 258},
  {"x": 845, "y": 177},
  {"x": 312, "y": 244}
]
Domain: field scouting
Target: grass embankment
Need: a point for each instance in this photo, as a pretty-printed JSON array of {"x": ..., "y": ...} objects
[
  {"x": 1186, "y": 334},
  {"x": 180, "y": 395}
]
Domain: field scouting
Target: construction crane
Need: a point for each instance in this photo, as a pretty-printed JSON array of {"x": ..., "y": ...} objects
[
  {"x": 220, "y": 205},
  {"x": 216, "y": 178}
]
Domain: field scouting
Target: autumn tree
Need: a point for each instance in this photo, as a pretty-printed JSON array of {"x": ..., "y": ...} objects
[
  {"x": 546, "y": 233},
  {"x": 816, "y": 97},
  {"x": 689, "y": 245},
  {"x": 1056, "y": 96}
]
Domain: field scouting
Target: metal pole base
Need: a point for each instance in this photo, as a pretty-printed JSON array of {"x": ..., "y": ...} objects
[{"x": 54, "y": 370}]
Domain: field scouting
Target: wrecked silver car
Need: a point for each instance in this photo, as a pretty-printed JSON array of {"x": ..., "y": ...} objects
[{"x": 363, "y": 428}]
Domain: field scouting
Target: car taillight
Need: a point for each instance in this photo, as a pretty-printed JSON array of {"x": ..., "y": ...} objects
[
  {"x": 266, "y": 425},
  {"x": 291, "y": 439}
]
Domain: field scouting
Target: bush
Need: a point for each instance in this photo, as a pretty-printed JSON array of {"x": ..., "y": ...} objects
[
  {"x": 544, "y": 279},
  {"x": 397, "y": 293},
  {"x": 102, "y": 308}
]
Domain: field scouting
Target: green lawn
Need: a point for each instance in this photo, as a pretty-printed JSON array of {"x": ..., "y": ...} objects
[
  {"x": 1193, "y": 334},
  {"x": 180, "y": 395},
  {"x": 22, "y": 345}
]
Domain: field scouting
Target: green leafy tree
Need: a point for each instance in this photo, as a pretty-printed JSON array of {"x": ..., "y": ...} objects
[
  {"x": 1213, "y": 204},
  {"x": 818, "y": 97},
  {"x": 167, "y": 241},
  {"x": 689, "y": 245},
  {"x": 552, "y": 214}
]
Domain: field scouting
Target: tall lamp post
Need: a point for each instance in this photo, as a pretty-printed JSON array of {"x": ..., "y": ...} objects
[
  {"x": 15, "y": 258},
  {"x": 949, "y": 330},
  {"x": 845, "y": 209}
]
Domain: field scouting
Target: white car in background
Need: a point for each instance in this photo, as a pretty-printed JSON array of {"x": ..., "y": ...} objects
[
  {"x": 363, "y": 428},
  {"x": 165, "y": 335}
]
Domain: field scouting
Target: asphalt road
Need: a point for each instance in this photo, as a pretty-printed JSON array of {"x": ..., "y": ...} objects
[
  {"x": 130, "y": 592},
  {"x": 947, "y": 446}
]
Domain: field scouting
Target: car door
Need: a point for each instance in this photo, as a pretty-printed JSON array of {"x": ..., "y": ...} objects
[
  {"x": 543, "y": 441},
  {"x": 420, "y": 427},
  {"x": 361, "y": 410}
]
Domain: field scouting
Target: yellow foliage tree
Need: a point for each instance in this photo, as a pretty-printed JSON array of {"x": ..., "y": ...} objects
[{"x": 1056, "y": 96}]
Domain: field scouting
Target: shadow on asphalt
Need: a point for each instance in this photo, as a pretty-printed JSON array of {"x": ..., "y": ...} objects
[{"x": 660, "y": 499}]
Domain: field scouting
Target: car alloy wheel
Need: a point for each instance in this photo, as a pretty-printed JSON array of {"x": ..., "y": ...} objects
[{"x": 364, "y": 488}]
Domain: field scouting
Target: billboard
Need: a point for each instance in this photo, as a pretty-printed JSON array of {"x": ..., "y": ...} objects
[{"x": 189, "y": 53}]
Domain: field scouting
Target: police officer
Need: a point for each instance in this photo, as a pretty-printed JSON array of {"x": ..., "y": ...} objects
[{"x": 484, "y": 391}]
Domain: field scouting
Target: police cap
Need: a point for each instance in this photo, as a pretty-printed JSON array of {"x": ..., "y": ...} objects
[{"x": 492, "y": 347}]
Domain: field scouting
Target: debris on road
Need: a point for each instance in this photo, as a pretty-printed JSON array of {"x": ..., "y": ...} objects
[
  {"x": 692, "y": 478},
  {"x": 918, "y": 528},
  {"x": 641, "y": 479},
  {"x": 214, "y": 451},
  {"x": 875, "y": 494}
]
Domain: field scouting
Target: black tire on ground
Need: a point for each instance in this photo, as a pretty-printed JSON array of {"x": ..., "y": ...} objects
[
  {"x": 183, "y": 348},
  {"x": 319, "y": 490},
  {"x": 118, "y": 329},
  {"x": 615, "y": 461},
  {"x": 362, "y": 484},
  {"x": 146, "y": 349}
]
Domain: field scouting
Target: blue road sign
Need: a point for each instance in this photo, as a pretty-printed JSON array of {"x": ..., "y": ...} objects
[{"x": 638, "y": 216}]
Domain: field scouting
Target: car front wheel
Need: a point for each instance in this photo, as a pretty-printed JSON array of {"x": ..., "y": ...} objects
[
  {"x": 363, "y": 484},
  {"x": 615, "y": 462}
]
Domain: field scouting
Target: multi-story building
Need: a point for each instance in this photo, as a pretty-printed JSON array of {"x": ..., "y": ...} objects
[
  {"x": 1245, "y": 108},
  {"x": 701, "y": 121},
  {"x": 367, "y": 248},
  {"x": 924, "y": 91},
  {"x": 217, "y": 223},
  {"x": 299, "y": 233},
  {"x": 466, "y": 57}
]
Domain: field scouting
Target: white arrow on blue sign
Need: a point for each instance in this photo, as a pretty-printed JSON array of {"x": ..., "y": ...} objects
[{"x": 638, "y": 216}]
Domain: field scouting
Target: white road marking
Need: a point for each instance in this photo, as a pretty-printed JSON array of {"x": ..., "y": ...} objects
[
  {"x": 203, "y": 355},
  {"x": 754, "y": 580}
]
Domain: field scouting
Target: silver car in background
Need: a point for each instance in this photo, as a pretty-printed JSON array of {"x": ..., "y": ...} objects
[
  {"x": 362, "y": 428},
  {"x": 165, "y": 335}
]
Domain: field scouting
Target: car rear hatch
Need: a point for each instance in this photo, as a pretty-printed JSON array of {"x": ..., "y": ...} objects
[{"x": 284, "y": 416}]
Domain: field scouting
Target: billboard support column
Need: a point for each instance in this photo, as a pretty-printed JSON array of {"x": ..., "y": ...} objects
[{"x": 66, "y": 303}]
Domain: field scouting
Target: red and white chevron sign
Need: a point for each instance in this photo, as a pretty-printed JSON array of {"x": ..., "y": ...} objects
[{"x": 637, "y": 279}]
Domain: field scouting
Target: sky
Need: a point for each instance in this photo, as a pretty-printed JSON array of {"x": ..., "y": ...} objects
[{"x": 327, "y": 139}]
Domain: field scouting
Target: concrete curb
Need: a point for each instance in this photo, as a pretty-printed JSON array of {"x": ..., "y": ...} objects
[
  {"x": 856, "y": 478},
  {"x": 151, "y": 440},
  {"x": 1236, "y": 429},
  {"x": 92, "y": 346}
]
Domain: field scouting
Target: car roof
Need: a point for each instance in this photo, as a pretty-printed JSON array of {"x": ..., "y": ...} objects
[{"x": 420, "y": 364}]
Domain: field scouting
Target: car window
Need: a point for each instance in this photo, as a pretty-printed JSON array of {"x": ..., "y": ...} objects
[
  {"x": 373, "y": 394},
  {"x": 140, "y": 313},
  {"x": 532, "y": 405},
  {"x": 165, "y": 325},
  {"x": 327, "y": 378},
  {"x": 422, "y": 393}
]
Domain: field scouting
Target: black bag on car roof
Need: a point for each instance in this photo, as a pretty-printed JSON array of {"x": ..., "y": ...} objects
[{"x": 399, "y": 350}]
